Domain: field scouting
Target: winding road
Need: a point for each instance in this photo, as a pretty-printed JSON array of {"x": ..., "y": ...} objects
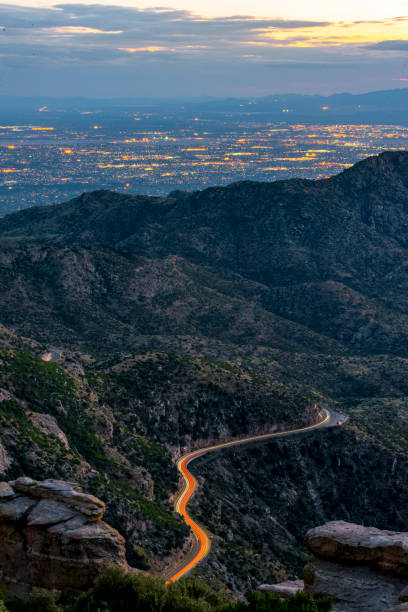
[{"x": 202, "y": 543}]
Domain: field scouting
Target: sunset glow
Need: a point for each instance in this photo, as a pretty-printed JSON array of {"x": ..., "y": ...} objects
[
  {"x": 151, "y": 49},
  {"x": 202, "y": 48},
  {"x": 291, "y": 9}
]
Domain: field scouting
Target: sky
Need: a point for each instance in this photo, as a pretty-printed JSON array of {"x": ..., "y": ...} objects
[{"x": 200, "y": 48}]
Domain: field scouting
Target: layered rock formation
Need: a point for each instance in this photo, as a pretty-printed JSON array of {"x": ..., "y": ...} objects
[
  {"x": 351, "y": 543},
  {"x": 52, "y": 536},
  {"x": 364, "y": 569}
]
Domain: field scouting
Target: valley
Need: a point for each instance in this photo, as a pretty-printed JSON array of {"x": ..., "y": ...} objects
[{"x": 193, "y": 320}]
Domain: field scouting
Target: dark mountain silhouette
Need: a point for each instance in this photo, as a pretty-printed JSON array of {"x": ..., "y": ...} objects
[{"x": 326, "y": 257}]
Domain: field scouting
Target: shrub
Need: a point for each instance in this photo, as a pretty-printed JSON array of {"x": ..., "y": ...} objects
[
  {"x": 117, "y": 591},
  {"x": 271, "y": 602},
  {"x": 38, "y": 601}
]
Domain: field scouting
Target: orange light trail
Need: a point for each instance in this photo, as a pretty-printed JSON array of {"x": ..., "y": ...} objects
[
  {"x": 190, "y": 486},
  {"x": 202, "y": 538}
]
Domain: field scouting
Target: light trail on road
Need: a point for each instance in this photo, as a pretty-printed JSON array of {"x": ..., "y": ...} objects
[{"x": 203, "y": 542}]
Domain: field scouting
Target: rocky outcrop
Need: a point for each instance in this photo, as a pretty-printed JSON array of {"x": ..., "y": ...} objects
[
  {"x": 52, "y": 536},
  {"x": 354, "y": 588},
  {"x": 48, "y": 425},
  {"x": 5, "y": 460},
  {"x": 404, "y": 595},
  {"x": 4, "y": 395},
  {"x": 284, "y": 589},
  {"x": 348, "y": 542},
  {"x": 364, "y": 569}
]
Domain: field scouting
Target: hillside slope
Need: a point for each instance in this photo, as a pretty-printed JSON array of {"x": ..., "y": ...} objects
[
  {"x": 335, "y": 247},
  {"x": 116, "y": 427},
  {"x": 71, "y": 293},
  {"x": 209, "y": 315}
]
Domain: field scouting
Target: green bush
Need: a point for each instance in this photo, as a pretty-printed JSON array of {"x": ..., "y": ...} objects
[
  {"x": 39, "y": 601},
  {"x": 193, "y": 595},
  {"x": 271, "y": 602},
  {"x": 117, "y": 591}
]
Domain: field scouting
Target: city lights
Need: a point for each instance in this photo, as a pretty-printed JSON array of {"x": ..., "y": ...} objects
[{"x": 46, "y": 164}]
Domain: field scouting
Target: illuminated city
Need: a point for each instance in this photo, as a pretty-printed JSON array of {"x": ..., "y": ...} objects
[{"x": 42, "y": 163}]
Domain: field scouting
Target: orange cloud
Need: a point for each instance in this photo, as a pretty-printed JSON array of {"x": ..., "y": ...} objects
[
  {"x": 150, "y": 49},
  {"x": 336, "y": 34},
  {"x": 72, "y": 30}
]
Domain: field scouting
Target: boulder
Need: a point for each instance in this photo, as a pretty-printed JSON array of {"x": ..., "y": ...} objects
[
  {"x": 351, "y": 543},
  {"x": 364, "y": 569},
  {"x": 52, "y": 536},
  {"x": 353, "y": 588},
  {"x": 49, "y": 512},
  {"x": 69, "y": 493},
  {"x": 6, "y": 490},
  {"x": 15, "y": 508}
]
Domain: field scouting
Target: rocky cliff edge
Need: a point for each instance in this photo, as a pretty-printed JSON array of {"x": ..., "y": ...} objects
[
  {"x": 364, "y": 569},
  {"x": 52, "y": 536}
]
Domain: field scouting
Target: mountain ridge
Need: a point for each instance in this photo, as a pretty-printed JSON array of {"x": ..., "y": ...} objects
[
  {"x": 341, "y": 240},
  {"x": 374, "y": 170},
  {"x": 204, "y": 316}
]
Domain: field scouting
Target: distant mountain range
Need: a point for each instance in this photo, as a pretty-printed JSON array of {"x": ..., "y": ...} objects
[{"x": 389, "y": 106}]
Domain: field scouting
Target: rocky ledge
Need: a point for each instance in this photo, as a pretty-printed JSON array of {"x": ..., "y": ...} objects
[
  {"x": 52, "y": 536},
  {"x": 348, "y": 542},
  {"x": 364, "y": 569}
]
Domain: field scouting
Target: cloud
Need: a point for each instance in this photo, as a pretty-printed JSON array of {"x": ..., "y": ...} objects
[
  {"x": 73, "y": 30},
  {"x": 147, "y": 24},
  {"x": 177, "y": 30},
  {"x": 222, "y": 54},
  {"x": 144, "y": 49},
  {"x": 389, "y": 45}
]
